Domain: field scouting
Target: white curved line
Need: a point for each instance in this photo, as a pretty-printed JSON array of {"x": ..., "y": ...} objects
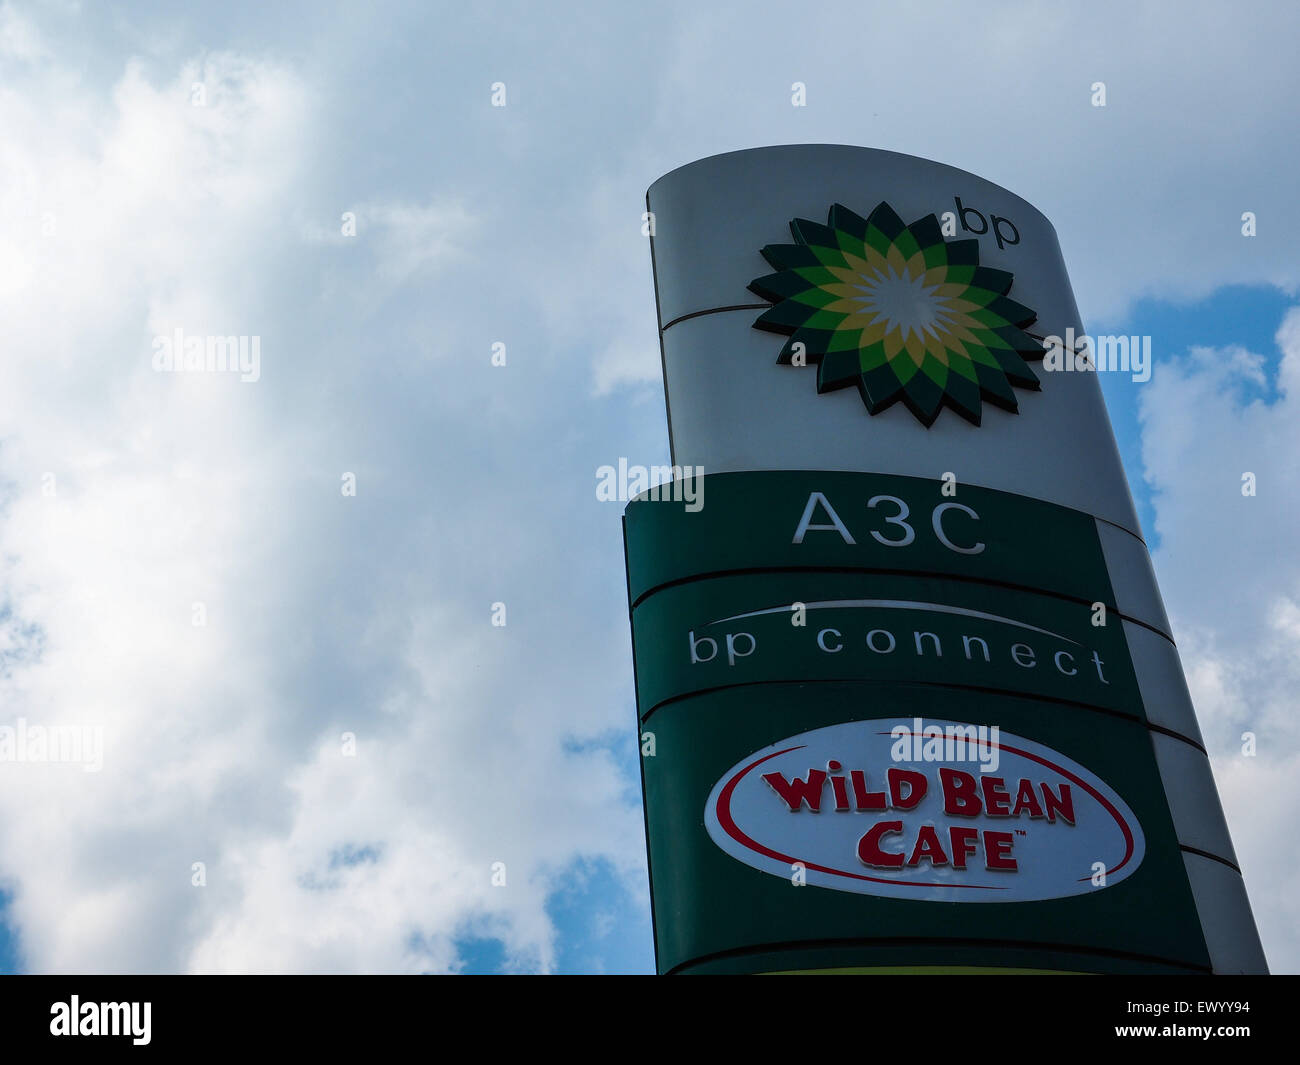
[{"x": 899, "y": 604}]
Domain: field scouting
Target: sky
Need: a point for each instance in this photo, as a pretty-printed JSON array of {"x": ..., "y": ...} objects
[{"x": 320, "y": 754}]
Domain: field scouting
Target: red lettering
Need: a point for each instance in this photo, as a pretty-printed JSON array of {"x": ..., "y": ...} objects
[
  {"x": 997, "y": 851},
  {"x": 873, "y": 800},
  {"x": 960, "y": 795},
  {"x": 1025, "y": 800},
  {"x": 917, "y": 785},
  {"x": 1064, "y": 806},
  {"x": 869, "y": 846},
  {"x": 962, "y": 843},
  {"x": 928, "y": 847},
  {"x": 797, "y": 791},
  {"x": 841, "y": 789},
  {"x": 997, "y": 803}
]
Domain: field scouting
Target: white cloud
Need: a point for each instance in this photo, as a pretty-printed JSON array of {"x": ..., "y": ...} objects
[
  {"x": 624, "y": 363},
  {"x": 126, "y": 211},
  {"x": 222, "y": 741},
  {"x": 1231, "y": 580},
  {"x": 1146, "y": 193},
  {"x": 19, "y": 37}
]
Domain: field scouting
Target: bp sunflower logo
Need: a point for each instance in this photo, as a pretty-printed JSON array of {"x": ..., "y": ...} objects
[{"x": 899, "y": 312}]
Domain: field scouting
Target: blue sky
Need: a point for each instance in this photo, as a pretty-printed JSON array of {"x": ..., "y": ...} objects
[
  {"x": 1241, "y": 315},
  {"x": 181, "y": 568}
]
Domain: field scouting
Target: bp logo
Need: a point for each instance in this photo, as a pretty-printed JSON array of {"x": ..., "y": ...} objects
[{"x": 899, "y": 312}]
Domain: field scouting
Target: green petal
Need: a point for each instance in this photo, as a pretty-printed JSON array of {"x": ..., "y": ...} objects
[{"x": 988, "y": 366}]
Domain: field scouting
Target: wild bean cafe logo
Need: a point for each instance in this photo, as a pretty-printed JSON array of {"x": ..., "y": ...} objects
[
  {"x": 899, "y": 312},
  {"x": 892, "y": 808}
]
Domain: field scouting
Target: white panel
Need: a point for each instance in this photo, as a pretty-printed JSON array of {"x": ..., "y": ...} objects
[
  {"x": 731, "y": 408},
  {"x": 713, "y": 216},
  {"x": 1129, "y": 564},
  {"x": 1221, "y": 901},
  {"x": 1193, "y": 798},
  {"x": 1162, "y": 684}
]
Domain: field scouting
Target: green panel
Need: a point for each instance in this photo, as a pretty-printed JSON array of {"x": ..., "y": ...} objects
[
  {"x": 914, "y": 958},
  {"x": 748, "y": 521},
  {"x": 709, "y": 904},
  {"x": 724, "y": 668},
  {"x": 680, "y": 634}
]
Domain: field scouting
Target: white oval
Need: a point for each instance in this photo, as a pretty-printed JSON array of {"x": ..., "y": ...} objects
[{"x": 749, "y": 819}]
